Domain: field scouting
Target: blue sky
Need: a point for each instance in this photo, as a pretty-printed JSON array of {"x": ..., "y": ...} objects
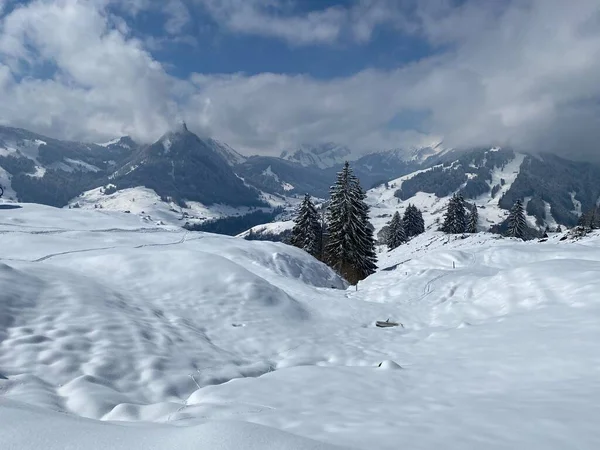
[
  {"x": 268, "y": 75},
  {"x": 211, "y": 49}
]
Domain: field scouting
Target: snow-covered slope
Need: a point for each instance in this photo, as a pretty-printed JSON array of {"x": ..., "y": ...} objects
[
  {"x": 149, "y": 206},
  {"x": 108, "y": 317},
  {"x": 428, "y": 151},
  {"x": 55, "y": 431},
  {"x": 384, "y": 202},
  {"x": 269, "y": 231},
  {"x": 229, "y": 154}
]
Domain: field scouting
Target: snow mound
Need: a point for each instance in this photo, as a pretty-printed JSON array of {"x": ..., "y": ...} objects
[
  {"x": 389, "y": 365},
  {"x": 126, "y": 324},
  {"x": 57, "y": 432},
  {"x": 273, "y": 228},
  {"x": 142, "y": 338}
]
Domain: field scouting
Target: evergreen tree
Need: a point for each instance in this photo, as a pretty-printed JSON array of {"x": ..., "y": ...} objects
[
  {"x": 306, "y": 233},
  {"x": 396, "y": 235},
  {"x": 517, "y": 224},
  {"x": 419, "y": 222},
  {"x": 350, "y": 246},
  {"x": 473, "y": 219},
  {"x": 413, "y": 221},
  {"x": 455, "y": 219}
]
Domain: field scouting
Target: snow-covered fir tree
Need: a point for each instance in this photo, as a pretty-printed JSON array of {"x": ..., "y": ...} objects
[
  {"x": 396, "y": 234},
  {"x": 306, "y": 233},
  {"x": 413, "y": 221},
  {"x": 350, "y": 247},
  {"x": 455, "y": 218},
  {"x": 473, "y": 219},
  {"x": 517, "y": 224}
]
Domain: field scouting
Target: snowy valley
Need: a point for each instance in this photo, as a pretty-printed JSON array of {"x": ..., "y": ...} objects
[
  {"x": 118, "y": 333},
  {"x": 299, "y": 225}
]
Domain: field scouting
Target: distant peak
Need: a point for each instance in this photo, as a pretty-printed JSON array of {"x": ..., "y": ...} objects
[
  {"x": 176, "y": 132},
  {"x": 181, "y": 127}
]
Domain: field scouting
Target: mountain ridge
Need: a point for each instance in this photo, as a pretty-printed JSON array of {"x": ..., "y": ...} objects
[{"x": 181, "y": 167}]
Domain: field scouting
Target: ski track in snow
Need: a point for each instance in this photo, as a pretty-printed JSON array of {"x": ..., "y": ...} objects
[{"x": 190, "y": 333}]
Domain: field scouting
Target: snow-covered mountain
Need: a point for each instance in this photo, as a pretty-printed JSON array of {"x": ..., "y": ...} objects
[
  {"x": 554, "y": 190},
  {"x": 227, "y": 153},
  {"x": 184, "y": 167},
  {"x": 181, "y": 179},
  {"x": 322, "y": 156},
  {"x": 105, "y": 317},
  {"x": 312, "y": 170},
  {"x": 36, "y": 168},
  {"x": 124, "y": 142}
]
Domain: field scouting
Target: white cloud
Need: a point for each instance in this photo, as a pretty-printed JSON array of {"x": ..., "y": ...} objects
[
  {"x": 279, "y": 19},
  {"x": 523, "y": 73},
  {"x": 268, "y": 18},
  {"x": 104, "y": 83},
  {"x": 178, "y": 16}
]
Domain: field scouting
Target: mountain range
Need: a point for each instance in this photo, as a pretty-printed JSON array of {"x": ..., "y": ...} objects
[{"x": 195, "y": 178}]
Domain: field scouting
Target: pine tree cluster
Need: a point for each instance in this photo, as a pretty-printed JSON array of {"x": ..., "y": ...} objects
[
  {"x": 348, "y": 246},
  {"x": 455, "y": 219},
  {"x": 413, "y": 221}
]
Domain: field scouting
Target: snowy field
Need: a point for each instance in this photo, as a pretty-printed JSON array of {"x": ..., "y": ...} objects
[
  {"x": 148, "y": 205},
  {"x": 116, "y": 333}
]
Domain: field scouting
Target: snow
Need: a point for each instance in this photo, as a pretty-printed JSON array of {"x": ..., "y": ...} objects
[
  {"x": 229, "y": 154},
  {"x": 323, "y": 156},
  {"x": 268, "y": 172},
  {"x": 30, "y": 149},
  {"x": 56, "y": 431},
  {"x": 576, "y": 205},
  {"x": 61, "y": 165},
  {"x": 82, "y": 165},
  {"x": 39, "y": 172},
  {"x": 166, "y": 142},
  {"x": 147, "y": 204},
  {"x": 111, "y": 142},
  {"x": 130, "y": 168},
  {"x": 269, "y": 228},
  {"x": 117, "y": 333},
  {"x": 421, "y": 153},
  {"x": 9, "y": 193},
  {"x": 8, "y": 151},
  {"x": 550, "y": 221}
]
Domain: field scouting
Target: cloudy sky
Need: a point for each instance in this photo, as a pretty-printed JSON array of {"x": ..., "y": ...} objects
[{"x": 267, "y": 75}]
